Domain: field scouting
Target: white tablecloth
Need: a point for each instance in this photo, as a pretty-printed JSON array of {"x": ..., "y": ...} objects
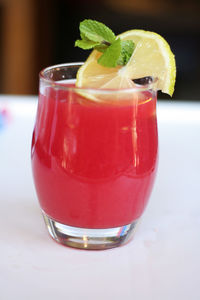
[{"x": 162, "y": 262}]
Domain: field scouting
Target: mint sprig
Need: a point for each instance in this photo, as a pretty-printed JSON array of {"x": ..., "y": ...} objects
[{"x": 96, "y": 35}]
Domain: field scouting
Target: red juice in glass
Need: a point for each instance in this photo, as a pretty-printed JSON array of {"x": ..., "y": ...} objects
[{"x": 94, "y": 162}]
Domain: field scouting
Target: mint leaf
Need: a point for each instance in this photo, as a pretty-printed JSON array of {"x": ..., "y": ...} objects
[
  {"x": 96, "y": 31},
  {"x": 111, "y": 55},
  {"x": 126, "y": 52},
  {"x": 98, "y": 36},
  {"x": 85, "y": 44}
]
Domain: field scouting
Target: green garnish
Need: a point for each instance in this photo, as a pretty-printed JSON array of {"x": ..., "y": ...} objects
[{"x": 96, "y": 35}]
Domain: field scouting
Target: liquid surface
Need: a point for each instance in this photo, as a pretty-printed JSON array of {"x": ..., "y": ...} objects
[{"x": 94, "y": 164}]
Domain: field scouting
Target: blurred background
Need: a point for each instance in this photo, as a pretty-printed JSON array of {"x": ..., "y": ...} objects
[{"x": 37, "y": 33}]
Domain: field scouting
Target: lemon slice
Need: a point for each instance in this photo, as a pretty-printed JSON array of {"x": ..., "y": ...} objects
[{"x": 152, "y": 57}]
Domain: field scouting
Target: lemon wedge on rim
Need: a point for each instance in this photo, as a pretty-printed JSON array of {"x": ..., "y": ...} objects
[{"x": 152, "y": 56}]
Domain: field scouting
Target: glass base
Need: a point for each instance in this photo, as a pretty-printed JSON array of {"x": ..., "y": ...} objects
[{"x": 89, "y": 239}]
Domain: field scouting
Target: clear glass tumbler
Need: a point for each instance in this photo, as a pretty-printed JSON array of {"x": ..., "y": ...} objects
[{"x": 94, "y": 158}]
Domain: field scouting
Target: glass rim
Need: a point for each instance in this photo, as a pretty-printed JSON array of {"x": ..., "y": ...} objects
[{"x": 61, "y": 85}]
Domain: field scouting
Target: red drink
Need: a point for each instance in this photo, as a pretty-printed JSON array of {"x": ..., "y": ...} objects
[{"x": 94, "y": 163}]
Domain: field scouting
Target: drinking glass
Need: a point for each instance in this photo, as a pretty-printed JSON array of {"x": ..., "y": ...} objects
[{"x": 94, "y": 158}]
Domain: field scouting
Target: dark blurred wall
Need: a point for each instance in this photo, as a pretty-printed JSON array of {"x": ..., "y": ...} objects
[{"x": 56, "y": 24}]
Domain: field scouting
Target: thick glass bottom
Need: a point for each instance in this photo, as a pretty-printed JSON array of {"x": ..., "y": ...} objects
[{"x": 89, "y": 239}]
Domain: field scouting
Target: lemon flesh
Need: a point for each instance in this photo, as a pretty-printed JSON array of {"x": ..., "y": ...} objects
[{"x": 152, "y": 57}]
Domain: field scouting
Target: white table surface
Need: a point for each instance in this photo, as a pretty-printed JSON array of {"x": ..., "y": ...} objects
[{"x": 162, "y": 262}]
